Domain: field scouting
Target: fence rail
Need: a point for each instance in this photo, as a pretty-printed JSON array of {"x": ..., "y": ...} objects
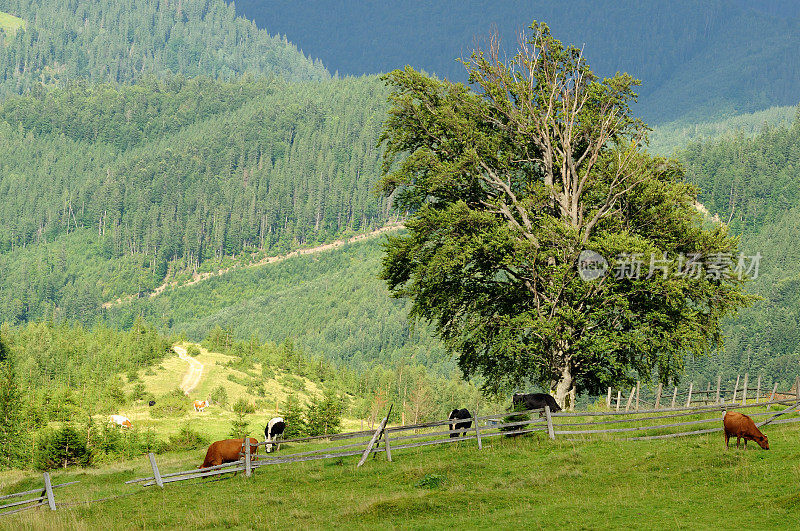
[{"x": 45, "y": 497}]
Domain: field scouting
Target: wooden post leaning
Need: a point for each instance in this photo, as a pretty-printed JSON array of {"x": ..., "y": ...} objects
[
  {"x": 674, "y": 397},
  {"x": 619, "y": 398},
  {"x": 735, "y": 388},
  {"x": 630, "y": 398},
  {"x": 375, "y": 437},
  {"x": 156, "y": 473},
  {"x": 608, "y": 399},
  {"x": 48, "y": 488},
  {"x": 772, "y": 396},
  {"x": 719, "y": 383},
  {"x": 637, "y": 395},
  {"x": 550, "y": 432},
  {"x": 689, "y": 398}
]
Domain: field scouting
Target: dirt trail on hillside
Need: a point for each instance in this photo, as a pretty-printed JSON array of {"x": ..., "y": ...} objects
[
  {"x": 199, "y": 277},
  {"x": 192, "y": 377}
]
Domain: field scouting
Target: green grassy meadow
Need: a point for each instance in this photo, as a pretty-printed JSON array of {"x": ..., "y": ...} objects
[
  {"x": 598, "y": 483},
  {"x": 9, "y": 23}
]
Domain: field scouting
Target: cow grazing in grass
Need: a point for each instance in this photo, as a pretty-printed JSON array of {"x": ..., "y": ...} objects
[
  {"x": 227, "y": 451},
  {"x": 200, "y": 405},
  {"x": 742, "y": 427},
  {"x": 534, "y": 401},
  {"x": 460, "y": 414},
  {"x": 120, "y": 420},
  {"x": 151, "y": 403},
  {"x": 273, "y": 431}
]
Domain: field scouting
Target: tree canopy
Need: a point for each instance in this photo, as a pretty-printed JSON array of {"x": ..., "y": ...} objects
[{"x": 507, "y": 185}]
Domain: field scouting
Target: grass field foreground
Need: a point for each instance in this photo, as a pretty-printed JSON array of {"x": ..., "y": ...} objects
[{"x": 690, "y": 482}]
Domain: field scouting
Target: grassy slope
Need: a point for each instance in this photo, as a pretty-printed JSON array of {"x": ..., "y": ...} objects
[
  {"x": 214, "y": 422},
  {"x": 685, "y": 483},
  {"x": 9, "y": 23}
]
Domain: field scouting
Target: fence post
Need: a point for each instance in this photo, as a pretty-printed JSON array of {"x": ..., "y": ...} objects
[
  {"x": 708, "y": 394},
  {"x": 797, "y": 387},
  {"x": 674, "y": 396},
  {"x": 744, "y": 391},
  {"x": 608, "y": 399},
  {"x": 719, "y": 383},
  {"x": 550, "y": 432},
  {"x": 689, "y": 398},
  {"x": 630, "y": 398},
  {"x": 156, "y": 473},
  {"x": 247, "y": 470},
  {"x": 658, "y": 395},
  {"x": 772, "y": 396},
  {"x": 735, "y": 388},
  {"x": 48, "y": 488},
  {"x": 637, "y": 395},
  {"x": 758, "y": 389},
  {"x": 386, "y": 444},
  {"x": 619, "y": 398},
  {"x": 477, "y": 430}
]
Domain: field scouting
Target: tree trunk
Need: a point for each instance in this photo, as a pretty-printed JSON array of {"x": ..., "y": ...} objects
[{"x": 564, "y": 388}]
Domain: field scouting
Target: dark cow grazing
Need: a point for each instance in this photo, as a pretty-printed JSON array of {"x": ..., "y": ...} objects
[
  {"x": 460, "y": 414},
  {"x": 534, "y": 401},
  {"x": 742, "y": 427},
  {"x": 274, "y": 430},
  {"x": 227, "y": 451},
  {"x": 151, "y": 403}
]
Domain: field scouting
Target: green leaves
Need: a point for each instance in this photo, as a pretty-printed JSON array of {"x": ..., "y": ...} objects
[{"x": 508, "y": 185}]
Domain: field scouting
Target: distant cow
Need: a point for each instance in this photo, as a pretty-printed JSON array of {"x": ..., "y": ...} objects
[
  {"x": 151, "y": 403},
  {"x": 273, "y": 431},
  {"x": 534, "y": 401},
  {"x": 460, "y": 414},
  {"x": 742, "y": 427},
  {"x": 200, "y": 405},
  {"x": 227, "y": 451},
  {"x": 120, "y": 420}
]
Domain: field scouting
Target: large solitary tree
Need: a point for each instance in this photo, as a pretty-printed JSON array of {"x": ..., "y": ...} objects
[{"x": 507, "y": 183}]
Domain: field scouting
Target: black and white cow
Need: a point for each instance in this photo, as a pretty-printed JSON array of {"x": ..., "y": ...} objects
[
  {"x": 273, "y": 431},
  {"x": 460, "y": 414},
  {"x": 534, "y": 401}
]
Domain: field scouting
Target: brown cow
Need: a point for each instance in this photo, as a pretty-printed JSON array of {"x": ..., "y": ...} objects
[
  {"x": 227, "y": 451},
  {"x": 742, "y": 427}
]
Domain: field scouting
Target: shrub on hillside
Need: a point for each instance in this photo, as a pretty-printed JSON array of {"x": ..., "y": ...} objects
[
  {"x": 219, "y": 395},
  {"x": 174, "y": 404},
  {"x": 62, "y": 448},
  {"x": 193, "y": 350},
  {"x": 292, "y": 413},
  {"x": 186, "y": 439}
]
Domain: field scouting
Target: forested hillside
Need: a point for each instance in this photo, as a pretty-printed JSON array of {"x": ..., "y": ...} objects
[
  {"x": 752, "y": 182},
  {"x": 108, "y": 189},
  {"x": 333, "y": 304},
  {"x": 697, "y": 60},
  {"x": 121, "y": 41}
]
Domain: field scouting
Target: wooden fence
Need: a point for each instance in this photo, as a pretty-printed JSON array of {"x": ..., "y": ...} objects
[
  {"x": 711, "y": 395},
  {"x": 45, "y": 497},
  {"x": 644, "y": 424},
  {"x": 632, "y": 425}
]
